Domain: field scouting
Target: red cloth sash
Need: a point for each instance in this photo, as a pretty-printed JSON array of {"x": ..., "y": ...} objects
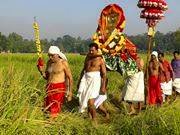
[
  {"x": 55, "y": 97},
  {"x": 154, "y": 92}
]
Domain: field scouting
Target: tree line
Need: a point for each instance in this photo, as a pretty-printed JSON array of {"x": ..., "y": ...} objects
[{"x": 17, "y": 44}]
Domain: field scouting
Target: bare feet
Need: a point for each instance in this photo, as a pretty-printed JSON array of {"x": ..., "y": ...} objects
[
  {"x": 54, "y": 116},
  {"x": 89, "y": 114},
  {"x": 139, "y": 111},
  {"x": 94, "y": 122},
  {"x": 132, "y": 112},
  {"x": 107, "y": 116},
  {"x": 69, "y": 98}
]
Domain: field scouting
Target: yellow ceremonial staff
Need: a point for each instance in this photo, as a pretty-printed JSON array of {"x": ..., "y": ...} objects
[{"x": 37, "y": 38}]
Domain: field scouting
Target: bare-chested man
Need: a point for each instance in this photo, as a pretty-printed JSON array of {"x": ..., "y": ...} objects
[
  {"x": 165, "y": 76},
  {"x": 57, "y": 73},
  {"x": 154, "y": 92},
  {"x": 92, "y": 81}
]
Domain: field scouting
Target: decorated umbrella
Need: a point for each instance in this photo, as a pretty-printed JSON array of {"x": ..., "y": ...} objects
[
  {"x": 118, "y": 51},
  {"x": 38, "y": 43},
  {"x": 153, "y": 12}
]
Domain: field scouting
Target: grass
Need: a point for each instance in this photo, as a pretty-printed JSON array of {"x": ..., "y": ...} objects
[{"x": 22, "y": 95}]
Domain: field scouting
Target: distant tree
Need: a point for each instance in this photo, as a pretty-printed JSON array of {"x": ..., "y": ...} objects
[
  {"x": 45, "y": 45},
  {"x": 15, "y": 42},
  {"x": 140, "y": 41},
  {"x": 69, "y": 43},
  {"x": 3, "y": 43},
  {"x": 29, "y": 46},
  {"x": 169, "y": 41},
  {"x": 59, "y": 42},
  {"x": 177, "y": 40}
]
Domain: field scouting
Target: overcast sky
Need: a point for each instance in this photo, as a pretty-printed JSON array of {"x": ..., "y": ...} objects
[{"x": 75, "y": 17}]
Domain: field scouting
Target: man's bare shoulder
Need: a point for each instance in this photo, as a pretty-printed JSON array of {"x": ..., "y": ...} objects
[
  {"x": 101, "y": 59},
  {"x": 64, "y": 63}
]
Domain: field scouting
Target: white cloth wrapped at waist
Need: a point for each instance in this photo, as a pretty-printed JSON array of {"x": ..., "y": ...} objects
[
  {"x": 176, "y": 84},
  {"x": 133, "y": 90},
  {"x": 99, "y": 100},
  {"x": 89, "y": 88},
  {"x": 167, "y": 87}
]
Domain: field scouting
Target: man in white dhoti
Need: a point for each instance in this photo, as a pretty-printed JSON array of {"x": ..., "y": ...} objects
[
  {"x": 165, "y": 76},
  {"x": 134, "y": 88},
  {"x": 175, "y": 63},
  {"x": 92, "y": 82}
]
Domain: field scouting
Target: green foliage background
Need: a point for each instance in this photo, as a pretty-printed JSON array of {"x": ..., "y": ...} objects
[{"x": 16, "y": 43}]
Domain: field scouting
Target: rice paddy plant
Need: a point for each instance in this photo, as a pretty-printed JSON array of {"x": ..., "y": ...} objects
[{"x": 22, "y": 98}]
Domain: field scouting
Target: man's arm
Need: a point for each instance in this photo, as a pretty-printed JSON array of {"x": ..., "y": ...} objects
[
  {"x": 68, "y": 75},
  {"x": 103, "y": 76},
  {"x": 163, "y": 70},
  {"x": 42, "y": 72},
  {"x": 82, "y": 73},
  {"x": 171, "y": 71},
  {"x": 151, "y": 67},
  {"x": 141, "y": 64},
  {"x": 161, "y": 67}
]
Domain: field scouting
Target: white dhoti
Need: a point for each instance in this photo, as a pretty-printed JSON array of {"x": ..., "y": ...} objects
[
  {"x": 134, "y": 88},
  {"x": 88, "y": 89},
  {"x": 166, "y": 87},
  {"x": 99, "y": 100},
  {"x": 176, "y": 84}
]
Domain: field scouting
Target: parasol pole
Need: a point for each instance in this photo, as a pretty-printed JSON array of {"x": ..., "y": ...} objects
[
  {"x": 149, "y": 49},
  {"x": 153, "y": 11}
]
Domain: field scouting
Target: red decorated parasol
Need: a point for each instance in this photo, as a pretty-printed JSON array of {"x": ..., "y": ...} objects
[{"x": 153, "y": 12}]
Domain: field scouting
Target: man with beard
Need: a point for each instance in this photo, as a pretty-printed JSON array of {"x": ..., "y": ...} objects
[
  {"x": 57, "y": 73},
  {"x": 154, "y": 88}
]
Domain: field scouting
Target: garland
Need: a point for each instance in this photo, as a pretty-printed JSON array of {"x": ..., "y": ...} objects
[
  {"x": 113, "y": 44},
  {"x": 38, "y": 43},
  {"x": 37, "y": 38}
]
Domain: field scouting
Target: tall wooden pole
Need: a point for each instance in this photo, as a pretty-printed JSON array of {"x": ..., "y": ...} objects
[{"x": 147, "y": 65}]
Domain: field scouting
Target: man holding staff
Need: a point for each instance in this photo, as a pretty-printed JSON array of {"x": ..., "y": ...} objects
[{"x": 57, "y": 73}]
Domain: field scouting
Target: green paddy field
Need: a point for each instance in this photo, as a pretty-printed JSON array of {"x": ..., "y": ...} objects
[{"x": 21, "y": 105}]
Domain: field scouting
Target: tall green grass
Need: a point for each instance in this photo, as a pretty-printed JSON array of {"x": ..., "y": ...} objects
[{"x": 22, "y": 98}]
